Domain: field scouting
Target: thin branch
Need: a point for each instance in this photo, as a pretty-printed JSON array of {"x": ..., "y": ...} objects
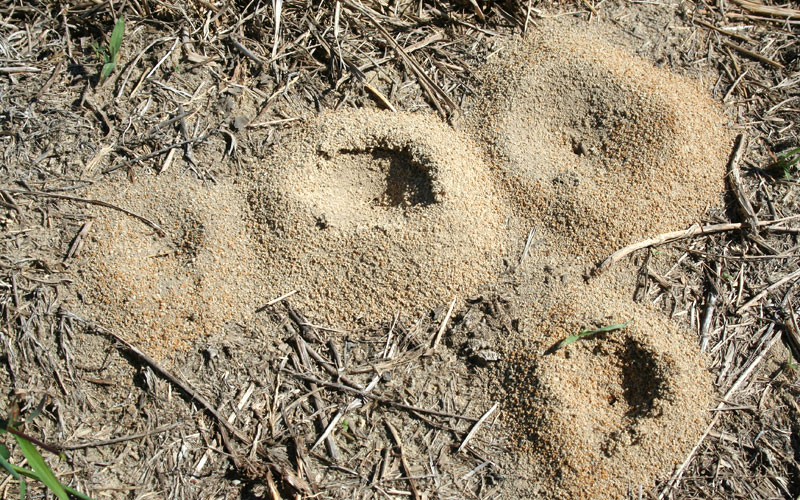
[
  {"x": 763, "y": 293},
  {"x": 378, "y": 399},
  {"x": 477, "y": 426},
  {"x": 158, "y": 152},
  {"x": 122, "y": 439},
  {"x": 406, "y": 469},
  {"x": 89, "y": 201},
  {"x": 691, "y": 232},
  {"x": 742, "y": 378}
]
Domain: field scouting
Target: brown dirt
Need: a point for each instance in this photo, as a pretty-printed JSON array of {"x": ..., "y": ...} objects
[
  {"x": 601, "y": 149},
  {"x": 365, "y": 213},
  {"x": 378, "y": 219}
]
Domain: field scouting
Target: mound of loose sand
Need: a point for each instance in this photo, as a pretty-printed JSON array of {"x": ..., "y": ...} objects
[
  {"x": 369, "y": 213},
  {"x": 597, "y": 149},
  {"x": 366, "y": 213},
  {"x": 601, "y": 148},
  {"x": 608, "y": 412},
  {"x": 167, "y": 292}
]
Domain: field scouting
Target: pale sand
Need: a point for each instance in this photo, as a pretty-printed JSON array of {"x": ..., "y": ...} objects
[{"x": 367, "y": 213}]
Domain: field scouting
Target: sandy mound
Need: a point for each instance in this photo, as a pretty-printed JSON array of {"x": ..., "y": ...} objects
[
  {"x": 364, "y": 214},
  {"x": 368, "y": 213},
  {"x": 602, "y": 147},
  {"x": 610, "y": 411},
  {"x": 598, "y": 149},
  {"x": 165, "y": 293}
]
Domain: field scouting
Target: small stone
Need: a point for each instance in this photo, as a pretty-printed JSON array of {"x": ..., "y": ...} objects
[
  {"x": 240, "y": 122},
  {"x": 484, "y": 357},
  {"x": 471, "y": 319}
]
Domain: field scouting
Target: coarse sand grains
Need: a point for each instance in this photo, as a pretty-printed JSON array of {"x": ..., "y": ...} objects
[
  {"x": 597, "y": 150},
  {"x": 609, "y": 412},
  {"x": 364, "y": 213},
  {"x": 166, "y": 293},
  {"x": 598, "y": 147},
  {"x": 368, "y": 213}
]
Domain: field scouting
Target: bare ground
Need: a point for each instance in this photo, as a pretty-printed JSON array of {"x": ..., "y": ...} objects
[{"x": 235, "y": 420}]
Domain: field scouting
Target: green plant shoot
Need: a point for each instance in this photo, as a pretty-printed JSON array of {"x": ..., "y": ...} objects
[
  {"x": 40, "y": 467},
  {"x": 790, "y": 365},
  {"x": 5, "y": 455},
  {"x": 585, "y": 333},
  {"x": 786, "y": 160},
  {"x": 110, "y": 54},
  {"x": 41, "y": 471}
]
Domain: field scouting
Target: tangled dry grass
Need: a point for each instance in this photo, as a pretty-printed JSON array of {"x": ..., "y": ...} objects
[{"x": 208, "y": 88}]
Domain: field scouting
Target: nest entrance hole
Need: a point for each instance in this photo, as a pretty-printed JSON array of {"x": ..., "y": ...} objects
[
  {"x": 642, "y": 382},
  {"x": 404, "y": 182}
]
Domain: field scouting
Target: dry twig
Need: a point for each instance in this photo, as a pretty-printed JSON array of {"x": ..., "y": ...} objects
[
  {"x": 769, "y": 10},
  {"x": 121, "y": 439},
  {"x": 295, "y": 481},
  {"x": 763, "y": 293},
  {"x": 403, "y": 461},
  {"x": 477, "y": 426},
  {"x": 753, "y": 54},
  {"x": 768, "y": 344},
  {"x": 691, "y": 232},
  {"x": 379, "y": 399},
  {"x": 88, "y": 201}
]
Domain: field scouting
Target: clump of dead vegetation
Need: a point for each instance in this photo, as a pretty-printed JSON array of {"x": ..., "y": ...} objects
[{"x": 191, "y": 84}]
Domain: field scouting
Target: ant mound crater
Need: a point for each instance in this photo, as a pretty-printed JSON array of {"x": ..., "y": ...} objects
[
  {"x": 372, "y": 184},
  {"x": 602, "y": 147},
  {"x": 390, "y": 178},
  {"x": 371, "y": 212},
  {"x": 609, "y": 410},
  {"x": 166, "y": 292}
]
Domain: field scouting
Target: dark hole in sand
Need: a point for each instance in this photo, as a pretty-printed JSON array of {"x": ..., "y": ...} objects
[
  {"x": 406, "y": 183},
  {"x": 642, "y": 382}
]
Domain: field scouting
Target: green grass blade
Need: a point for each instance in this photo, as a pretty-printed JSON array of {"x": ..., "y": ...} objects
[
  {"x": 29, "y": 473},
  {"x": 108, "y": 68},
  {"x": 785, "y": 161},
  {"x": 40, "y": 467},
  {"x": 4, "y": 456},
  {"x": 77, "y": 494},
  {"x": 99, "y": 51},
  {"x": 585, "y": 333},
  {"x": 790, "y": 152},
  {"x": 116, "y": 38},
  {"x": 36, "y": 411}
]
